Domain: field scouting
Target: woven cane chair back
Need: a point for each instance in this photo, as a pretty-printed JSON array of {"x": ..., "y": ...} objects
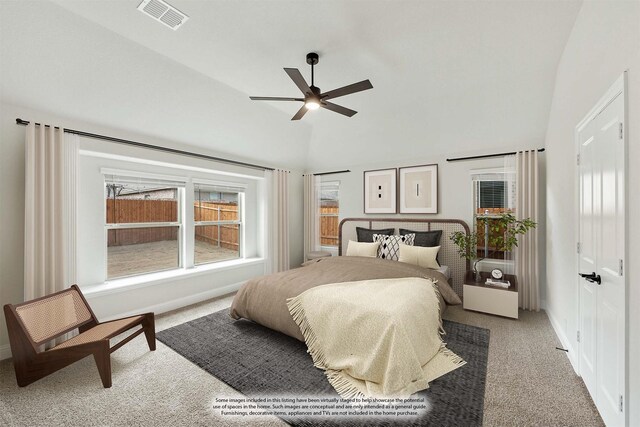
[{"x": 49, "y": 317}]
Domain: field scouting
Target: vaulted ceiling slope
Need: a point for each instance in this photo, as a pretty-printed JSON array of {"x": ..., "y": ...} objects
[
  {"x": 55, "y": 61},
  {"x": 448, "y": 76}
]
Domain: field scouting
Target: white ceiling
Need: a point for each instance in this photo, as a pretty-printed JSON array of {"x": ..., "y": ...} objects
[{"x": 448, "y": 76}]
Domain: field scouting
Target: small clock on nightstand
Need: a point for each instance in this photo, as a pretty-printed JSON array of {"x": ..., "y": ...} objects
[{"x": 497, "y": 274}]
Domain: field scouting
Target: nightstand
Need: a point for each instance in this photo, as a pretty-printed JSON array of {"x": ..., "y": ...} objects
[{"x": 490, "y": 299}]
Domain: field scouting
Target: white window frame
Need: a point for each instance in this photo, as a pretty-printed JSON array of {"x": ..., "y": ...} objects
[
  {"x": 186, "y": 223},
  {"x": 239, "y": 221},
  {"x": 129, "y": 225}
]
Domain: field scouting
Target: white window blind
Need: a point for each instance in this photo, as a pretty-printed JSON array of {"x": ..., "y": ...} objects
[{"x": 494, "y": 189}]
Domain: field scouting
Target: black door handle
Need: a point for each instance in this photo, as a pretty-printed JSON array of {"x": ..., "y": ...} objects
[{"x": 592, "y": 277}]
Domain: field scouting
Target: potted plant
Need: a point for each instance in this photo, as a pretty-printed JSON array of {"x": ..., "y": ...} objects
[{"x": 503, "y": 231}]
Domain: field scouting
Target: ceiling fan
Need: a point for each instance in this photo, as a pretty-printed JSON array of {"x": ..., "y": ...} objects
[{"x": 313, "y": 98}]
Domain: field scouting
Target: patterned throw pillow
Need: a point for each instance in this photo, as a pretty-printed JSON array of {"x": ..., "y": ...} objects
[{"x": 390, "y": 245}]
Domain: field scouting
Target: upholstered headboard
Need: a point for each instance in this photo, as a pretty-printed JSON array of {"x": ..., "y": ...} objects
[{"x": 448, "y": 254}]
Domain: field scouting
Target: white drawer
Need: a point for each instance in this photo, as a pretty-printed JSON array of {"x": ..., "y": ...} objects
[{"x": 491, "y": 300}]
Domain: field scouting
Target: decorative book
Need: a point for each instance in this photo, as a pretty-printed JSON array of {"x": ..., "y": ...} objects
[{"x": 499, "y": 283}]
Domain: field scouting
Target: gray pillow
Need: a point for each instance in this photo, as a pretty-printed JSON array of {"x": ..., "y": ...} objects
[
  {"x": 424, "y": 238},
  {"x": 366, "y": 234}
]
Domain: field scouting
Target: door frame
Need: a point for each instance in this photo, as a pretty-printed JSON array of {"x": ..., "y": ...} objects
[{"x": 618, "y": 88}]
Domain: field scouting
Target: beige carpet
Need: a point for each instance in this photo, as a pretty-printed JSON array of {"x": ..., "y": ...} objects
[{"x": 528, "y": 383}]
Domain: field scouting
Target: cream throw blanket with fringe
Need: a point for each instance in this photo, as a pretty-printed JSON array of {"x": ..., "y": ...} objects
[{"x": 375, "y": 338}]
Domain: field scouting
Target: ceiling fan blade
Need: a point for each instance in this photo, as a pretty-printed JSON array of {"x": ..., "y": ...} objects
[
  {"x": 337, "y": 108},
  {"x": 347, "y": 90},
  {"x": 273, "y": 98},
  {"x": 297, "y": 78},
  {"x": 301, "y": 112}
]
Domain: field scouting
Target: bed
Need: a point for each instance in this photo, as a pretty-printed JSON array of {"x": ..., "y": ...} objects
[
  {"x": 372, "y": 325},
  {"x": 263, "y": 299}
]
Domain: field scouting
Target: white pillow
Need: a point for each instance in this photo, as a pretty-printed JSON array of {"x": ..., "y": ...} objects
[
  {"x": 362, "y": 249},
  {"x": 419, "y": 255}
]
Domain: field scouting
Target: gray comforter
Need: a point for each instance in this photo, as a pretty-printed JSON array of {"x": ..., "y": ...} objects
[{"x": 263, "y": 299}]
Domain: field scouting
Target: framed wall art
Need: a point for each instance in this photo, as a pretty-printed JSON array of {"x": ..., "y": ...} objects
[
  {"x": 380, "y": 191},
  {"x": 419, "y": 189}
]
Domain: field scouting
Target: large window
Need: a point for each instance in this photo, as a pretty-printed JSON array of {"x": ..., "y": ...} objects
[
  {"x": 146, "y": 231},
  {"x": 218, "y": 224},
  {"x": 493, "y": 195},
  {"x": 329, "y": 213}
]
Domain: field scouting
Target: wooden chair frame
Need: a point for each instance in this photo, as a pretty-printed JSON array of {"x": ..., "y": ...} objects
[{"x": 31, "y": 363}]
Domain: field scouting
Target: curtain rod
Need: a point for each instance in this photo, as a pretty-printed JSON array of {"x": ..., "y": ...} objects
[
  {"x": 153, "y": 147},
  {"x": 327, "y": 173},
  {"x": 331, "y": 173},
  {"x": 540, "y": 150}
]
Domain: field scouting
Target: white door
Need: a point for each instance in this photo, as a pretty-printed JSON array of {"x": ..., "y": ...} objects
[
  {"x": 602, "y": 245},
  {"x": 587, "y": 254}
]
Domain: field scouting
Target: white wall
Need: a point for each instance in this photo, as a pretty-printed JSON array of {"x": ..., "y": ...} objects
[
  {"x": 12, "y": 222},
  {"x": 604, "y": 42},
  {"x": 11, "y": 216},
  {"x": 455, "y": 191}
]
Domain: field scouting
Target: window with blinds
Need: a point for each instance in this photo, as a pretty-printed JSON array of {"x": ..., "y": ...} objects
[{"x": 493, "y": 195}]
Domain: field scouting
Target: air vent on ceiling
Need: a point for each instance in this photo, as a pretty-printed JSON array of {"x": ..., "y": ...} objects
[{"x": 163, "y": 12}]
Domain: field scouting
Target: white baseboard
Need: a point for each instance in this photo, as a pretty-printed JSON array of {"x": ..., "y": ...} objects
[
  {"x": 180, "y": 302},
  {"x": 5, "y": 352},
  {"x": 566, "y": 343}
]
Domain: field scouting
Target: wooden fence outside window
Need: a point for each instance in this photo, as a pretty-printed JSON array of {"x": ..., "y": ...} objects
[
  {"x": 227, "y": 235},
  {"x": 329, "y": 222},
  {"x": 128, "y": 211}
]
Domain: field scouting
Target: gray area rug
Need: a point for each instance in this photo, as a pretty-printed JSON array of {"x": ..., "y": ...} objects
[{"x": 258, "y": 361}]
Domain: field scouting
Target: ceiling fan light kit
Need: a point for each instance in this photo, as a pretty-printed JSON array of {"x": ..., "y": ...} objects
[
  {"x": 313, "y": 97},
  {"x": 312, "y": 104}
]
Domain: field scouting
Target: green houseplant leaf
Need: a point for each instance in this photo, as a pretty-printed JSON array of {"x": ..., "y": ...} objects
[{"x": 503, "y": 235}]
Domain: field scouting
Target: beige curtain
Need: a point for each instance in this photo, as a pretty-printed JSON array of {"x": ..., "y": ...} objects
[
  {"x": 50, "y": 210},
  {"x": 278, "y": 187},
  {"x": 311, "y": 215},
  {"x": 526, "y": 254}
]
